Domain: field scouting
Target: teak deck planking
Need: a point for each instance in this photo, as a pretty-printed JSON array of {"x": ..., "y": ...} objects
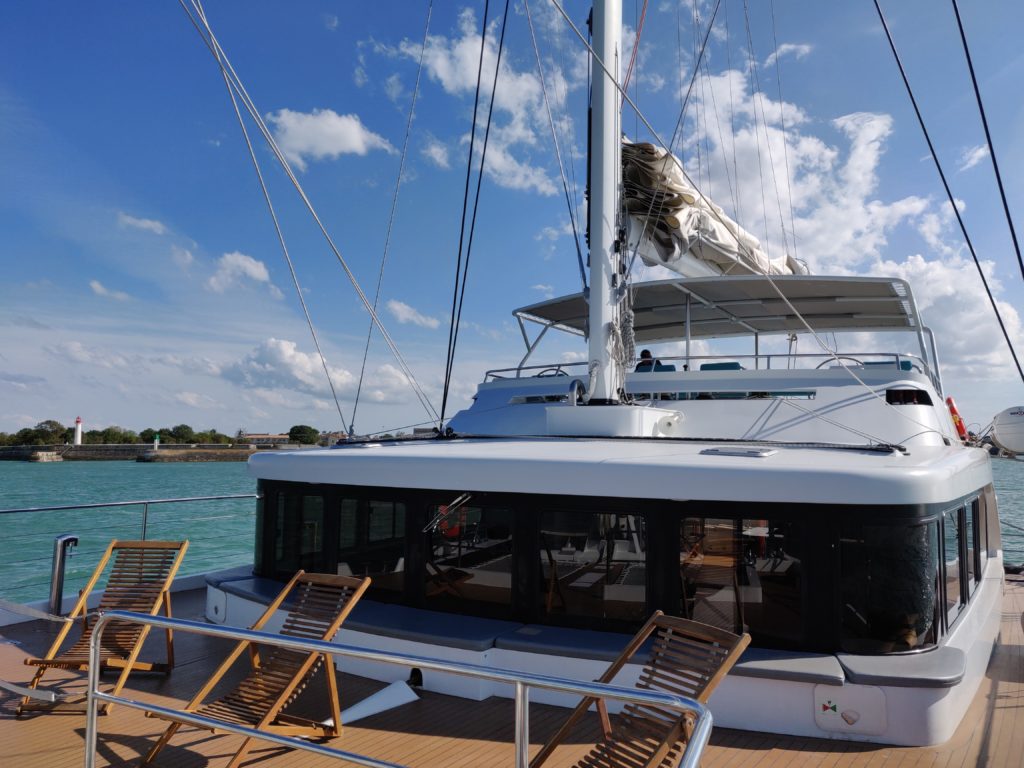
[{"x": 440, "y": 730}]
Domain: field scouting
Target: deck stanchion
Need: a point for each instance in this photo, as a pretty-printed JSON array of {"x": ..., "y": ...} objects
[{"x": 522, "y": 725}]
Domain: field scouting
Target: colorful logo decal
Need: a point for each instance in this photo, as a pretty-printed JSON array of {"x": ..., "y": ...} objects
[{"x": 829, "y": 707}]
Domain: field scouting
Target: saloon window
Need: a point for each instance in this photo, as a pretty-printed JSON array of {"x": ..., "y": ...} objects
[{"x": 888, "y": 587}]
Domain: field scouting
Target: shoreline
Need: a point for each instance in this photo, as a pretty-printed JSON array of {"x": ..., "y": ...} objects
[{"x": 127, "y": 452}]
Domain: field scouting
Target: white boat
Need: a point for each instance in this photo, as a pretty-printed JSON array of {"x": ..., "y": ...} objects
[{"x": 821, "y": 501}]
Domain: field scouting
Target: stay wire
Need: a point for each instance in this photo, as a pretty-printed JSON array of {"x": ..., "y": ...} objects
[
  {"x": 988, "y": 138},
  {"x": 479, "y": 185},
  {"x": 274, "y": 219},
  {"x": 759, "y": 98},
  {"x": 449, "y": 356},
  {"x": 636, "y": 45},
  {"x": 391, "y": 217},
  {"x": 558, "y": 154},
  {"x": 782, "y": 123},
  {"x": 213, "y": 45},
  {"x": 949, "y": 192}
]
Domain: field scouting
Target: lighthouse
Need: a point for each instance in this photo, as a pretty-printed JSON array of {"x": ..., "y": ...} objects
[{"x": 78, "y": 430}]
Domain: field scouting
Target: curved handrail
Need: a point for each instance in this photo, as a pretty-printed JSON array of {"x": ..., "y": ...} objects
[{"x": 522, "y": 681}]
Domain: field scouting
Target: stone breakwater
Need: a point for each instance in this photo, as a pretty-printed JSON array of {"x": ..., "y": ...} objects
[{"x": 131, "y": 452}]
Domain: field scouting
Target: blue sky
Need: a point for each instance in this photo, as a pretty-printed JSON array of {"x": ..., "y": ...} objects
[{"x": 143, "y": 284}]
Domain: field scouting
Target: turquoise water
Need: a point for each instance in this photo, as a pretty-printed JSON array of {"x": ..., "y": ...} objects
[{"x": 220, "y": 532}]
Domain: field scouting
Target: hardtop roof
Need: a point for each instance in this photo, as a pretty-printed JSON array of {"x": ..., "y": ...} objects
[{"x": 743, "y": 305}]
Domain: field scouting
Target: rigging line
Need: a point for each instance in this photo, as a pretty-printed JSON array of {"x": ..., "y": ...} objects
[
  {"x": 988, "y": 138},
  {"x": 558, "y": 154},
  {"x": 949, "y": 192},
  {"x": 759, "y": 97},
  {"x": 866, "y": 435},
  {"x": 785, "y": 300},
  {"x": 785, "y": 140},
  {"x": 732, "y": 112},
  {"x": 569, "y": 129},
  {"x": 254, "y": 114},
  {"x": 391, "y": 216},
  {"x": 476, "y": 199},
  {"x": 277, "y": 225},
  {"x": 636, "y": 45},
  {"x": 733, "y": 193},
  {"x": 450, "y": 355}
]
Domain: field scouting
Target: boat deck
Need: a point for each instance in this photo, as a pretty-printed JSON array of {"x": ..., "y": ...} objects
[{"x": 440, "y": 730}]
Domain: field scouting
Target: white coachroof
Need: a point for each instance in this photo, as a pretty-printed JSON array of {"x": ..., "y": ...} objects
[
  {"x": 745, "y": 305},
  {"x": 650, "y": 468}
]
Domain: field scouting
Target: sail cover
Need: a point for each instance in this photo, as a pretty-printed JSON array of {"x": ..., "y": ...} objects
[{"x": 672, "y": 225}]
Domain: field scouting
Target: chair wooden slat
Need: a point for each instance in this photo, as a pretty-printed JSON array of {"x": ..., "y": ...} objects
[
  {"x": 317, "y": 604},
  {"x": 687, "y": 659},
  {"x": 139, "y": 581}
]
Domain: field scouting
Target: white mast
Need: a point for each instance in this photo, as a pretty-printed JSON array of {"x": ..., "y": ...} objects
[{"x": 605, "y": 170}]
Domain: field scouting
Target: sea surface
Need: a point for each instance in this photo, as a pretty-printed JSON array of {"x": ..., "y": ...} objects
[{"x": 221, "y": 533}]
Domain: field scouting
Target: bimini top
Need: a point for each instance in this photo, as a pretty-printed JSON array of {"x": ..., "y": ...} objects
[{"x": 748, "y": 304}]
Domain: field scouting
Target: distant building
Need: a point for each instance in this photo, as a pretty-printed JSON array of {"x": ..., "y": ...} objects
[{"x": 330, "y": 438}]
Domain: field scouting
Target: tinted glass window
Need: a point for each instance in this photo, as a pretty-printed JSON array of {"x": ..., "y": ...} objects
[
  {"x": 889, "y": 587},
  {"x": 469, "y": 565},
  {"x": 593, "y": 566},
  {"x": 744, "y": 576},
  {"x": 971, "y": 571},
  {"x": 952, "y": 538}
]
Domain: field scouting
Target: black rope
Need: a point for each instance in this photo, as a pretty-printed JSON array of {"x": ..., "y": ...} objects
[
  {"x": 476, "y": 202},
  {"x": 391, "y": 217},
  {"x": 462, "y": 227},
  {"x": 988, "y": 139},
  {"x": 949, "y": 192}
]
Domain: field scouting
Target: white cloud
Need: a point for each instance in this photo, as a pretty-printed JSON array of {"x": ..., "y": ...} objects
[
  {"x": 279, "y": 364},
  {"x": 796, "y": 50},
  {"x": 403, "y": 313},
  {"x": 147, "y": 225},
  {"x": 182, "y": 256},
  {"x": 330, "y": 22},
  {"x": 323, "y": 133},
  {"x": 235, "y": 269},
  {"x": 100, "y": 290},
  {"x": 952, "y": 302},
  {"x": 437, "y": 153},
  {"x": 548, "y": 291},
  {"x": 520, "y": 119},
  {"x": 96, "y": 357},
  {"x": 196, "y": 400},
  {"x": 277, "y": 369},
  {"x": 189, "y": 364},
  {"x": 393, "y": 88},
  {"x": 359, "y": 76},
  {"x": 972, "y": 156}
]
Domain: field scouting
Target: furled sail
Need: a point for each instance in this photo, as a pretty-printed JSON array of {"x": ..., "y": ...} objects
[{"x": 672, "y": 225}]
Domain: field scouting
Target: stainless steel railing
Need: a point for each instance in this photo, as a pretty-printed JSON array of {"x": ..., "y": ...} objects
[{"x": 521, "y": 681}]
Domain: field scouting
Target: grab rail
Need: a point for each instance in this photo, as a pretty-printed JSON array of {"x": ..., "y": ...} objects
[{"x": 522, "y": 682}]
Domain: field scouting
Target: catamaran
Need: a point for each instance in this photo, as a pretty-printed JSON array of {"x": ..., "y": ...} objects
[{"x": 822, "y": 501}]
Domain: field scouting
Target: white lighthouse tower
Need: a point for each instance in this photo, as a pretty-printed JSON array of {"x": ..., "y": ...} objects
[{"x": 78, "y": 430}]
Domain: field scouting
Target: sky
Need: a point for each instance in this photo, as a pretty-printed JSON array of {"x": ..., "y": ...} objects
[{"x": 143, "y": 284}]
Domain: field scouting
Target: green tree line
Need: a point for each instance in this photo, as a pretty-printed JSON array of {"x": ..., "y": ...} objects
[{"x": 52, "y": 432}]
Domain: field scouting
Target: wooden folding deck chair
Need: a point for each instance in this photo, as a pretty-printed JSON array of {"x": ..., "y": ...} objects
[
  {"x": 318, "y": 604},
  {"x": 688, "y": 659},
  {"x": 140, "y": 581}
]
